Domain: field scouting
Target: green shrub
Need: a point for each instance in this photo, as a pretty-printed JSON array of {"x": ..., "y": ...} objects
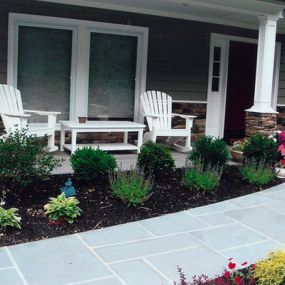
[
  {"x": 9, "y": 218},
  {"x": 271, "y": 271},
  {"x": 211, "y": 151},
  {"x": 258, "y": 174},
  {"x": 89, "y": 164},
  {"x": 132, "y": 187},
  {"x": 155, "y": 159},
  {"x": 24, "y": 158},
  {"x": 62, "y": 207},
  {"x": 201, "y": 178},
  {"x": 260, "y": 147}
]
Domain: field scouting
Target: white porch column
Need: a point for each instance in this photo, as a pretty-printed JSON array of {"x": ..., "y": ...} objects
[{"x": 265, "y": 65}]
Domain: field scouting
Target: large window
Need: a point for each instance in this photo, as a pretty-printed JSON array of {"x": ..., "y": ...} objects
[
  {"x": 112, "y": 72},
  {"x": 80, "y": 68},
  {"x": 44, "y": 67}
]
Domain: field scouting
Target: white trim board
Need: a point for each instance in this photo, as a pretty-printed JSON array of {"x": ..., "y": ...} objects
[
  {"x": 215, "y": 126},
  {"x": 183, "y": 16},
  {"x": 80, "y": 54}
]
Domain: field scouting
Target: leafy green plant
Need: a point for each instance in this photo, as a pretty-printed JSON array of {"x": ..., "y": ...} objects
[
  {"x": 9, "y": 218},
  {"x": 132, "y": 187},
  {"x": 89, "y": 164},
  {"x": 24, "y": 158},
  {"x": 155, "y": 159},
  {"x": 257, "y": 174},
  {"x": 62, "y": 207},
  {"x": 271, "y": 271},
  {"x": 201, "y": 178},
  {"x": 260, "y": 147},
  {"x": 212, "y": 151}
]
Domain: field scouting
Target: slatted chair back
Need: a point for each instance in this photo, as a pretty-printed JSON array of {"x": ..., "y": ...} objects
[
  {"x": 10, "y": 104},
  {"x": 157, "y": 104}
]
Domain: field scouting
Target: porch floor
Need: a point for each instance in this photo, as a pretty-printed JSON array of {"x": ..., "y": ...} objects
[
  {"x": 126, "y": 160},
  {"x": 198, "y": 240}
]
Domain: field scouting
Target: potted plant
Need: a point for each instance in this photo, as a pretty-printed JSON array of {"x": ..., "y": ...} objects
[
  {"x": 280, "y": 169},
  {"x": 280, "y": 165},
  {"x": 237, "y": 150}
]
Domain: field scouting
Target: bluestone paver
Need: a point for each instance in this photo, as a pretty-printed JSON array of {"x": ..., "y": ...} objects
[
  {"x": 253, "y": 200},
  {"x": 116, "y": 234},
  {"x": 145, "y": 247},
  {"x": 139, "y": 273},
  {"x": 4, "y": 259},
  {"x": 227, "y": 236},
  {"x": 103, "y": 281},
  {"x": 277, "y": 195},
  {"x": 172, "y": 223},
  {"x": 215, "y": 219},
  {"x": 193, "y": 261},
  {"x": 10, "y": 277},
  {"x": 252, "y": 253},
  {"x": 262, "y": 219},
  {"x": 57, "y": 261},
  {"x": 279, "y": 207},
  {"x": 213, "y": 208}
]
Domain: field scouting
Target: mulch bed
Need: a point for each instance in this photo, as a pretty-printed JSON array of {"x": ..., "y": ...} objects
[{"x": 100, "y": 209}]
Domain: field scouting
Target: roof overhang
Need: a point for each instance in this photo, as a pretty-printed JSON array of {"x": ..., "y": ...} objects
[{"x": 239, "y": 13}]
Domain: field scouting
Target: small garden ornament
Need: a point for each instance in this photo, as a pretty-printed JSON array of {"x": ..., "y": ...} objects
[{"x": 68, "y": 189}]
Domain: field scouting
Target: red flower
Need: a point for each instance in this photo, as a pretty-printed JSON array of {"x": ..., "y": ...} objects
[
  {"x": 227, "y": 274},
  {"x": 245, "y": 263},
  {"x": 283, "y": 161},
  {"x": 238, "y": 280},
  {"x": 282, "y": 136},
  {"x": 232, "y": 265},
  {"x": 253, "y": 266}
]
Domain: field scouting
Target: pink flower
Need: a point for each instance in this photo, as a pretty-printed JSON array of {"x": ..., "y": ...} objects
[
  {"x": 238, "y": 280},
  {"x": 232, "y": 265},
  {"x": 227, "y": 274},
  {"x": 281, "y": 148},
  {"x": 244, "y": 263}
]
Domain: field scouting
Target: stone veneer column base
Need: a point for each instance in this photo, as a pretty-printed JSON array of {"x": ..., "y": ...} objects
[{"x": 264, "y": 123}]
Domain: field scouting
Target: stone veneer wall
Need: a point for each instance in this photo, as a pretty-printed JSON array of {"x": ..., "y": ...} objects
[
  {"x": 260, "y": 123},
  {"x": 196, "y": 109}
]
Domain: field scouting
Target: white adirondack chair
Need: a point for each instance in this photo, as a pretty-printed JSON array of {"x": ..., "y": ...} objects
[
  {"x": 14, "y": 117},
  {"x": 157, "y": 107}
]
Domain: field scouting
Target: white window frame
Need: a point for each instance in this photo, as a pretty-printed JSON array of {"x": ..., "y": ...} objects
[{"x": 81, "y": 31}]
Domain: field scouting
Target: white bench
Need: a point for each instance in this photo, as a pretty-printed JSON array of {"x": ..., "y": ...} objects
[{"x": 101, "y": 127}]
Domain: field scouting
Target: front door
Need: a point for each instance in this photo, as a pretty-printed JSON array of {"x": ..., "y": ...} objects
[{"x": 240, "y": 88}]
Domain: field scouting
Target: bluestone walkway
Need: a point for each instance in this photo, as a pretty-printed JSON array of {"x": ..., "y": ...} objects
[{"x": 199, "y": 240}]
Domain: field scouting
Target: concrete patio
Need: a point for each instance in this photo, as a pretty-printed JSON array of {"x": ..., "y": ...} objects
[{"x": 199, "y": 240}]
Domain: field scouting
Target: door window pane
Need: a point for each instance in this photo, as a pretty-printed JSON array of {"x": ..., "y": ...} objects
[
  {"x": 44, "y": 66},
  {"x": 112, "y": 76}
]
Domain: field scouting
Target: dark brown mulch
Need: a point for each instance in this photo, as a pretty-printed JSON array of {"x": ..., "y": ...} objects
[{"x": 100, "y": 209}]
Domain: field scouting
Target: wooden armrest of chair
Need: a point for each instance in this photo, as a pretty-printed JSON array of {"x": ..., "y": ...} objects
[
  {"x": 17, "y": 115},
  {"x": 42, "y": 113},
  {"x": 183, "y": 116},
  {"x": 151, "y": 116}
]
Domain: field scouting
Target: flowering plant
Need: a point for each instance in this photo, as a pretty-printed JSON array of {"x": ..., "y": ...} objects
[
  {"x": 279, "y": 137},
  {"x": 239, "y": 145}
]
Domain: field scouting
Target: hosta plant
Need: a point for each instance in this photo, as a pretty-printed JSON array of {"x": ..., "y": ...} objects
[
  {"x": 62, "y": 207},
  {"x": 9, "y": 218}
]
